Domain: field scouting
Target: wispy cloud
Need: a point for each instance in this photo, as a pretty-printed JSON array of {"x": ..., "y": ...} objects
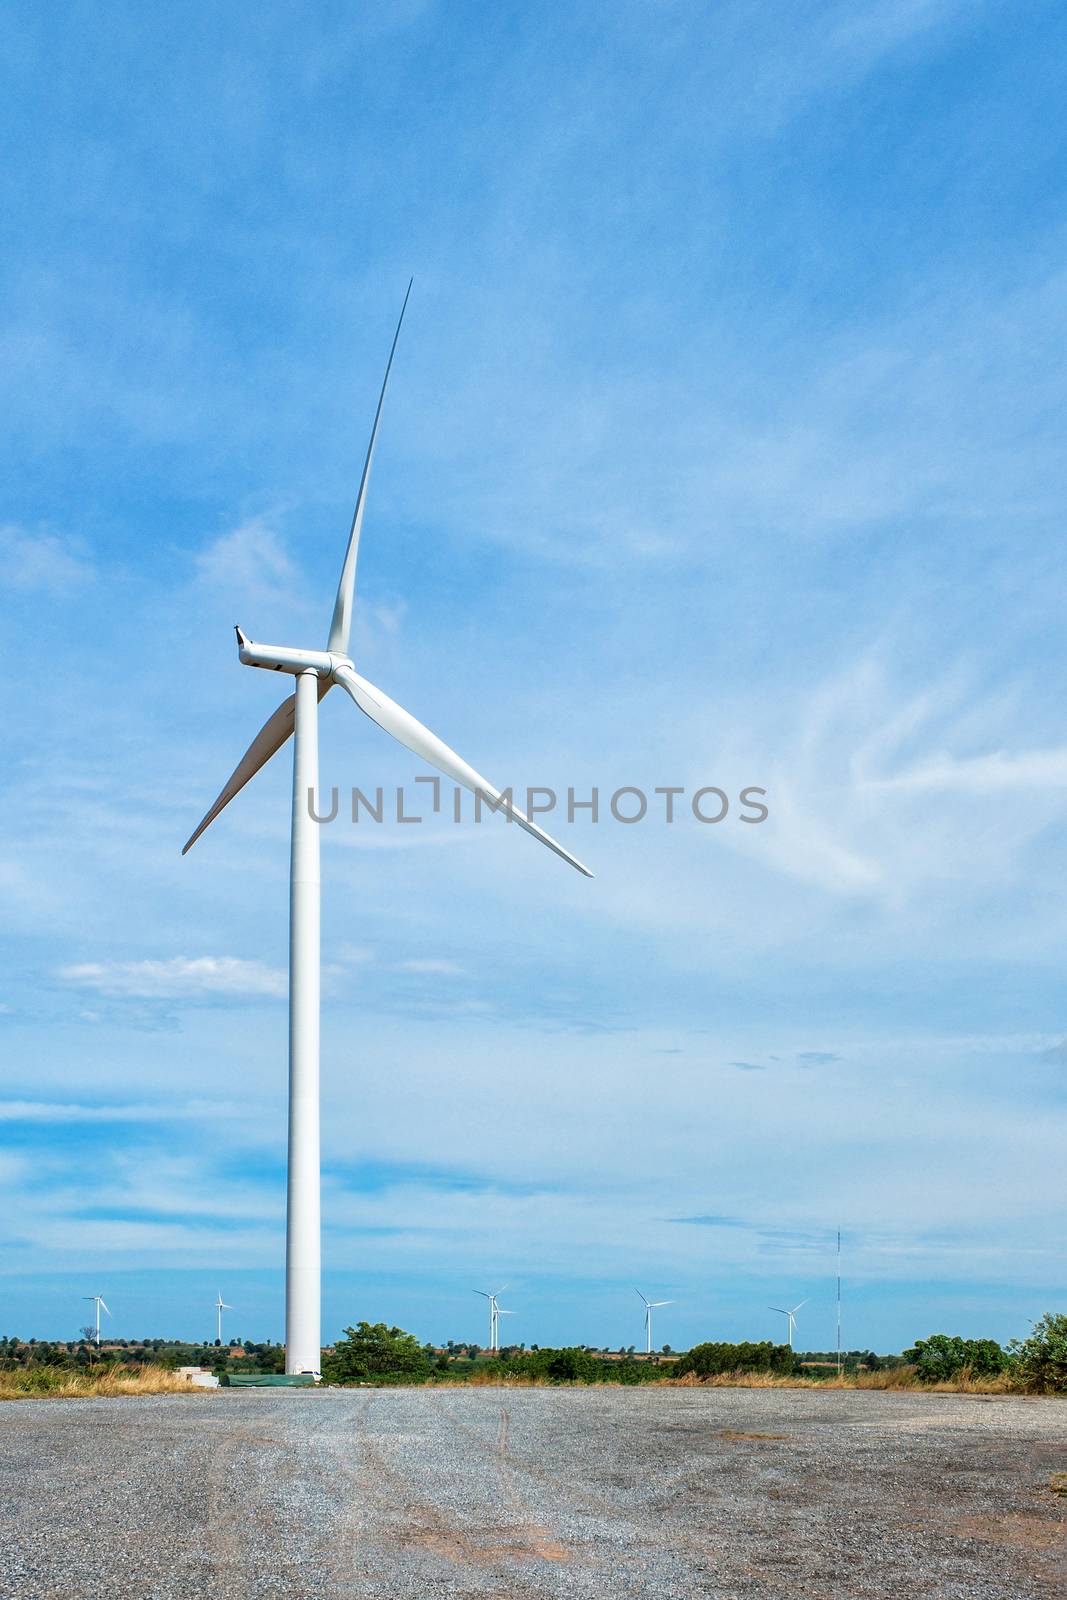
[
  {"x": 432, "y": 966},
  {"x": 42, "y": 561},
  {"x": 711, "y": 1221},
  {"x": 47, "y": 1111},
  {"x": 352, "y": 955},
  {"x": 998, "y": 772},
  {"x": 244, "y": 561},
  {"x": 181, "y": 977}
]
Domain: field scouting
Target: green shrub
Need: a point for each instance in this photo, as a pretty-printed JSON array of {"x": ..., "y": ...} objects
[
  {"x": 944, "y": 1356},
  {"x": 708, "y": 1360},
  {"x": 1041, "y": 1360},
  {"x": 570, "y": 1365},
  {"x": 373, "y": 1352}
]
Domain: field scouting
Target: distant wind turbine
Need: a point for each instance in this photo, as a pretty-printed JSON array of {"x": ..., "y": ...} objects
[
  {"x": 495, "y": 1313},
  {"x": 792, "y": 1315},
  {"x": 650, "y": 1306},
  {"x": 99, "y": 1301},
  {"x": 220, "y": 1307},
  {"x": 316, "y": 672}
]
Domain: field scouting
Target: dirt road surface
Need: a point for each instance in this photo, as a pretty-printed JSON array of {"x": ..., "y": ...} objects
[{"x": 569, "y": 1493}]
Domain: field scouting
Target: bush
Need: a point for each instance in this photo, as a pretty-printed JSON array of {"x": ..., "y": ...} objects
[
  {"x": 944, "y": 1356},
  {"x": 572, "y": 1364},
  {"x": 708, "y": 1360},
  {"x": 373, "y": 1352},
  {"x": 569, "y": 1365},
  {"x": 1041, "y": 1360}
]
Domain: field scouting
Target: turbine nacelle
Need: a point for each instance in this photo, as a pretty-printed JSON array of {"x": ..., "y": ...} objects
[{"x": 287, "y": 658}]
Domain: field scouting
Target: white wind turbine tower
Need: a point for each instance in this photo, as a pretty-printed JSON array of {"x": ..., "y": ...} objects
[
  {"x": 495, "y": 1314},
  {"x": 650, "y": 1306},
  {"x": 220, "y": 1307},
  {"x": 99, "y": 1301},
  {"x": 792, "y": 1315},
  {"x": 316, "y": 672}
]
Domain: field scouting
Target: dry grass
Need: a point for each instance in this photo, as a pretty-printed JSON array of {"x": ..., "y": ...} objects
[
  {"x": 894, "y": 1378},
  {"x": 57, "y": 1383},
  {"x": 43, "y": 1383}
]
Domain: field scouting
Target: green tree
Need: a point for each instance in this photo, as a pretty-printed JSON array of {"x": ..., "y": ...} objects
[
  {"x": 944, "y": 1356},
  {"x": 561, "y": 1366},
  {"x": 706, "y": 1360},
  {"x": 1041, "y": 1360},
  {"x": 370, "y": 1352}
]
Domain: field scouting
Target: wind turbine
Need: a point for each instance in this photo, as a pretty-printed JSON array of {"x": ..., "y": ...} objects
[
  {"x": 316, "y": 672},
  {"x": 99, "y": 1301},
  {"x": 650, "y": 1306},
  {"x": 220, "y": 1307},
  {"x": 839, "y": 1302},
  {"x": 495, "y": 1314},
  {"x": 792, "y": 1315}
]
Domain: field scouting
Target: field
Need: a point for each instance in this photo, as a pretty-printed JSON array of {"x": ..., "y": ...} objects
[{"x": 590, "y": 1493}]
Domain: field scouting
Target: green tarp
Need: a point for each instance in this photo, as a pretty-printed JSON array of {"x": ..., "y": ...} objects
[{"x": 268, "y": 1380}]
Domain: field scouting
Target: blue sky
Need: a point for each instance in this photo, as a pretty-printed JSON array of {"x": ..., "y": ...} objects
[{"x": 724, "y": 447}]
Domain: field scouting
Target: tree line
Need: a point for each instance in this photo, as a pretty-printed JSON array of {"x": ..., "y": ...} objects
[{"x": 375, "y": 1353}]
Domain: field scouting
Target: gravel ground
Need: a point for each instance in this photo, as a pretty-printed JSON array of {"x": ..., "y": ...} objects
[{"x": 527, "y": 1492}]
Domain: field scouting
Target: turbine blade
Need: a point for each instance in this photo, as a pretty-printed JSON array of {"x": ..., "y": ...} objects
[
  {"x": 782, "y": 1309},
  {"x": 341, "y": 623},
  {"x": 640, "y": 1296},
  {"x": 797, "y": 1307},
  {"x": 270, "y": 738},
  {"x": 411, "y": 733},
  {"x": 104, "y": 1305}
]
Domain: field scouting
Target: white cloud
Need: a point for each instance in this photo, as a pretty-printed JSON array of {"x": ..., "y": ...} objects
[
  {"x": 896, "y": 792},
  {"x": 352, "y": 955},
  {"x": 867, "y": 33},
  {"x": 389, "y": 618},
  {"x": 435, "y": 965},
  {"x": 178, "y": 978},
  {"x": 47, "y": 1111},
  {"x": 244, "y": 561},
  {"x": 1045, "y": 769},
  {"x": 41, "y": 561}
]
